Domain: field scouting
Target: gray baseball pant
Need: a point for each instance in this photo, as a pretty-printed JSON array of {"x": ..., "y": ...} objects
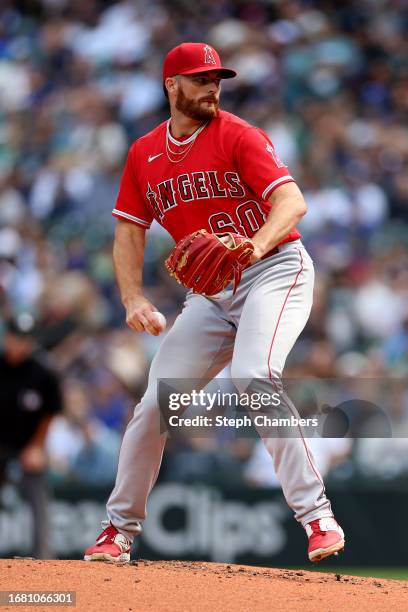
[{"x": 254, "y": 330}]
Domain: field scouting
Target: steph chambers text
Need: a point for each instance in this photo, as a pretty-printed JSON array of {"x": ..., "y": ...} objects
[{"x": 259, "y": 420}]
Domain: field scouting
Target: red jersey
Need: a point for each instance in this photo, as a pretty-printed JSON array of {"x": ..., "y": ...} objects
[{"x": 222, "y": 184}]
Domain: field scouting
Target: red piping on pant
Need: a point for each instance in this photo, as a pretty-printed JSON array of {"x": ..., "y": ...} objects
[{"x": 270, "y": 371}]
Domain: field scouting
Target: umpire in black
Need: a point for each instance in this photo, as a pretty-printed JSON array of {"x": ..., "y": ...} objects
[{"x": 29, "y": 397}]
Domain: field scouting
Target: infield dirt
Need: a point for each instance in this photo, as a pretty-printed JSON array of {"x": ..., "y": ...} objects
[{"x": 182, "y": 586}]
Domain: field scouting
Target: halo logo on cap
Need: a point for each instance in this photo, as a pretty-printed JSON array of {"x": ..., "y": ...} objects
[{"x": 209, "y": 56}]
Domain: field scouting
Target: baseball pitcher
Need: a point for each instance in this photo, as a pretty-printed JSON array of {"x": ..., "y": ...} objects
[{"x": 216, "y": 184}]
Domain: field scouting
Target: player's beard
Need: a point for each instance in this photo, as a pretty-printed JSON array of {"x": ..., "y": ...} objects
[{"x": 197, "y": 110}]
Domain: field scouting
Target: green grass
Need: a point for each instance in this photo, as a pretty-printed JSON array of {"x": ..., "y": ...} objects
[{"x": 397, "y": 573}]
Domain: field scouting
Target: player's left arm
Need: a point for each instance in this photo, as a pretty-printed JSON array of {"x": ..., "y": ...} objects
[
  {"x": 271, "y": 181},
  {"x": 288, "y": 207}
]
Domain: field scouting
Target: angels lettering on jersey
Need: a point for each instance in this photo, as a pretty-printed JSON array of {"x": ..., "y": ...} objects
[{"x": 193, "y": 186}]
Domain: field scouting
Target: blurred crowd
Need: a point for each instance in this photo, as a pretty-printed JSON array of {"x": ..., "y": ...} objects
[{"x": 81, "y": 79}]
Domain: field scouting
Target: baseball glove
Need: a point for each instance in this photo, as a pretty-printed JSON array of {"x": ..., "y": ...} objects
[{"x": 207, "y": 263}]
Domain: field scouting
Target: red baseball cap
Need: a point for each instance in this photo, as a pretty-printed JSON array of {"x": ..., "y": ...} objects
[{"x": 190, "y": 58}]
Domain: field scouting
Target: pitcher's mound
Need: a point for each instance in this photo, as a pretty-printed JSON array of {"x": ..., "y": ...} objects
[{"x": 183, "y": 586}]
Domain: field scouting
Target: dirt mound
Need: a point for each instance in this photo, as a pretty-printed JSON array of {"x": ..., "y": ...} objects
[{"x": 179, "y": 586}]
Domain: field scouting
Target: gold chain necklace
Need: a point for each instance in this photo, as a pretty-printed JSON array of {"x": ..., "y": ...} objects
[{"x": 184, "y": 152}]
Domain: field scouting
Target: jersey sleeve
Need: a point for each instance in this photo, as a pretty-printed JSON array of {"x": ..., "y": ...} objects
[
  {"x": 129, "y": 204},
  {"x": 258, "y": 164}
]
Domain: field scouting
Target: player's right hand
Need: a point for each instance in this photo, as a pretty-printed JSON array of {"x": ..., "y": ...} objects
[{"x": 139, "y": 315}]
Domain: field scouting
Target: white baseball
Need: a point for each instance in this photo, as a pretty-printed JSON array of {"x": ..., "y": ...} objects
[{"x": 161, "y": 320}]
